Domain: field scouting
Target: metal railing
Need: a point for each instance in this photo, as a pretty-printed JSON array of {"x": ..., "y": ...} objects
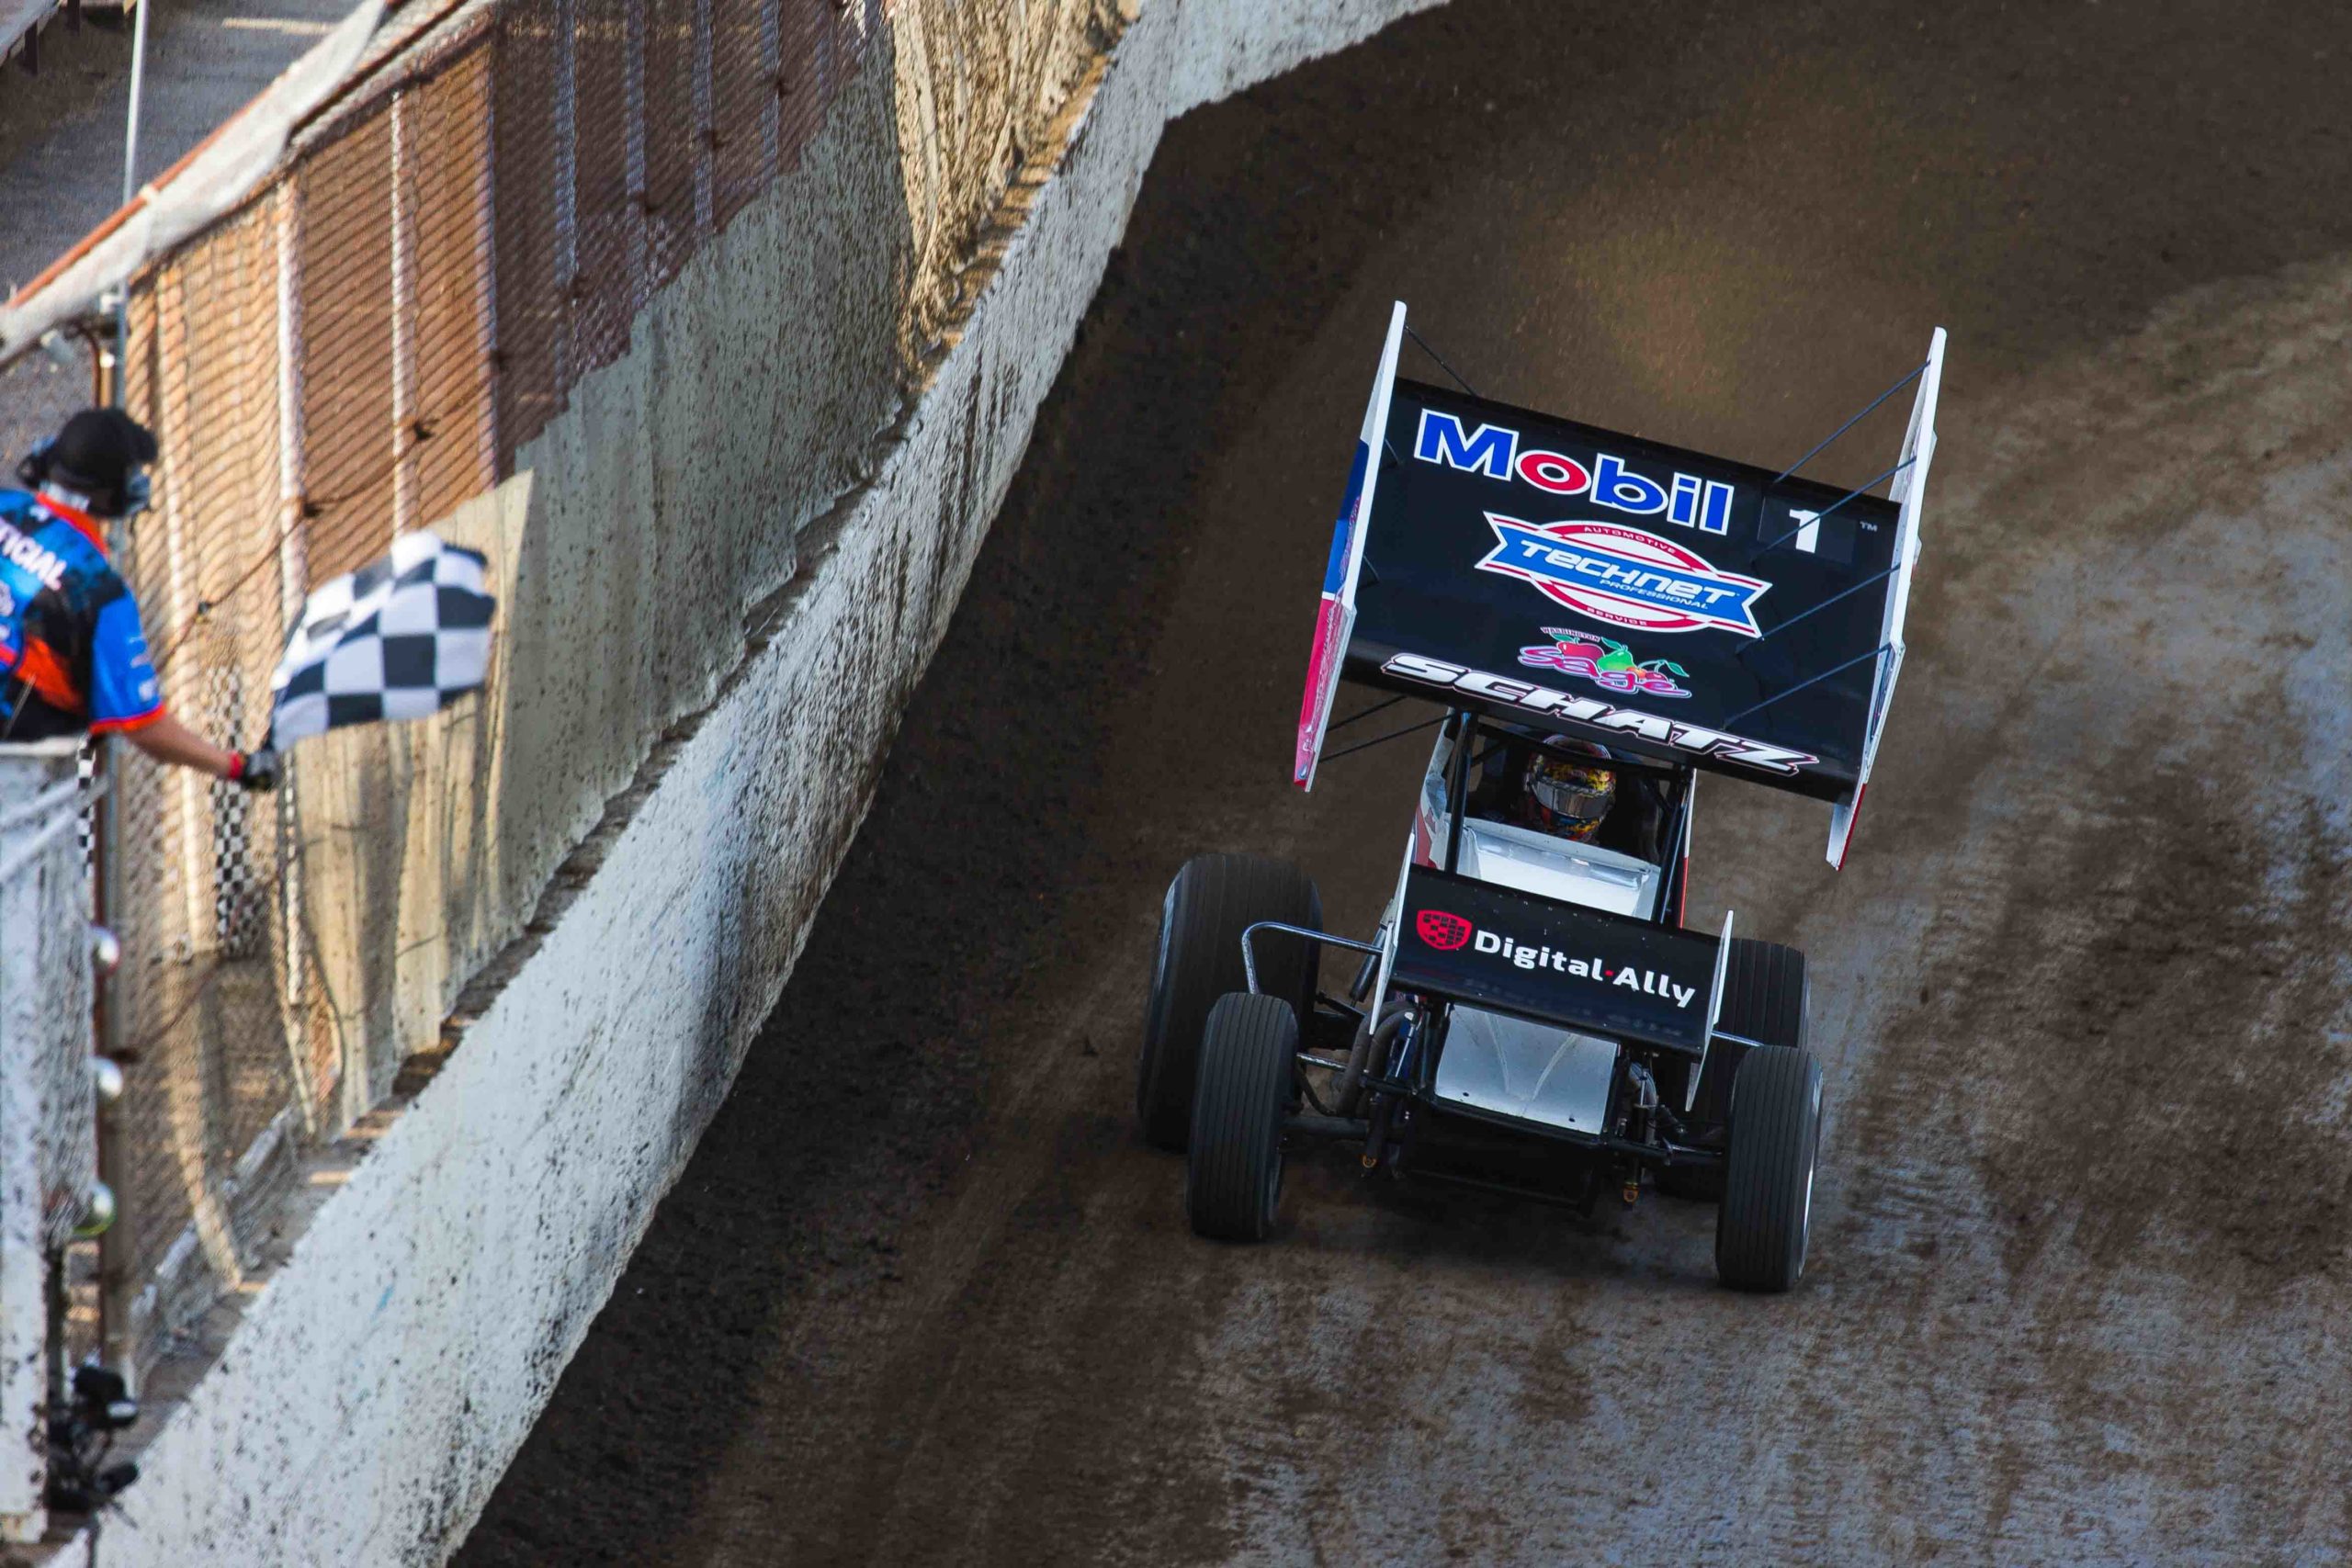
[{"x": 22, "y": 23}]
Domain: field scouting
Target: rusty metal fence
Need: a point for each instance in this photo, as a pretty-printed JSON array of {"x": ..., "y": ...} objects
[
  {"x": 478, "y": 221},
  {"x": 365, "y": 343}
]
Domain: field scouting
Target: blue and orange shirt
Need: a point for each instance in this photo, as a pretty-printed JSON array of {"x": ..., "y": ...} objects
[{"x": 72, "y": 654}]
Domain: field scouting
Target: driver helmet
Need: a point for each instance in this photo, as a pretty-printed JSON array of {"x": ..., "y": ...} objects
[{"x": 1568, "y": 798}]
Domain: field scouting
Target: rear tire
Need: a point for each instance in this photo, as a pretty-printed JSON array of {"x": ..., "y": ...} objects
[
  {"x": 1765, "y": 1223},
  {"x": 1212, "y": 901},
  {"x": 1765, "y": 999},
  {"x": 1233, "y": 1170}
]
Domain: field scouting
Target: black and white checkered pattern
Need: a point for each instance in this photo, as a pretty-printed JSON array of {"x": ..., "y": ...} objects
[{"x": 400, "y": 637}]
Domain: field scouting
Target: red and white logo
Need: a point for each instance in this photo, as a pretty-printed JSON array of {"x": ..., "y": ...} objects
[{"x": 1443, "y": 931}]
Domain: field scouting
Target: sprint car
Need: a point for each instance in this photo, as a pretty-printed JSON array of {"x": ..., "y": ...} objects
[{"x": 1531, "y": 1015}]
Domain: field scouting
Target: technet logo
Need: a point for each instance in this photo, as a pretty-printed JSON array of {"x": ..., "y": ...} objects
[{"x": 1450, "y": 933}]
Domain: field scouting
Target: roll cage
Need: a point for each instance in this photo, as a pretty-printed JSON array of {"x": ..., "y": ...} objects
[{"x": 1656, "y": 1070}]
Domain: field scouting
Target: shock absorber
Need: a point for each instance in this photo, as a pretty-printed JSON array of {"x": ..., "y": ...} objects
[
  {"x": 1646, "y": 1109},
  {"x": 1395, "y": 1067},
  {"x": 1376, "y": 1143}
]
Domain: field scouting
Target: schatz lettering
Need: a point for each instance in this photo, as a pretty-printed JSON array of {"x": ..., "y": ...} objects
[
  {"x": 1592, "y": 711},
  {"x": 1493, "y": 450},
  {"x": 1625, "y": 576}
]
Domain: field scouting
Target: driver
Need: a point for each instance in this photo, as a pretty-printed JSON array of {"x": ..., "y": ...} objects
[{"x": 1565, "y": 798}]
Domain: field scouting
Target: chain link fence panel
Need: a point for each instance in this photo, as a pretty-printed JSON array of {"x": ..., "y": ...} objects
[{"x": 368, "y": 342}]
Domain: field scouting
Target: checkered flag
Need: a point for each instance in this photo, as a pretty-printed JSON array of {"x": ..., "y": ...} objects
[{"x": 400, "y": 637}]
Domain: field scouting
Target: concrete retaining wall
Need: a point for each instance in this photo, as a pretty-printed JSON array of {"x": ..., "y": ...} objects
[
  {"x": 460, "y": 1247},
  {"x": 660, "y": 506}
]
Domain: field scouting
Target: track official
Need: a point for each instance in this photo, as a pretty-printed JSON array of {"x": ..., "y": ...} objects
[{"x": 72, "y": 655}]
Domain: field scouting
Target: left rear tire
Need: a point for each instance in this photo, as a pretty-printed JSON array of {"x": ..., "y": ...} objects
[
  {"x": 1212, "y": 901},
  {"x": 1233, "y": 1169}
]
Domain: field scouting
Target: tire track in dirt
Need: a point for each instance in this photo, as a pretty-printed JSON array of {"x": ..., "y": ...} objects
[
  {"x": 2121, "y": 1082},
  {"x": 922, "y": 1297}
]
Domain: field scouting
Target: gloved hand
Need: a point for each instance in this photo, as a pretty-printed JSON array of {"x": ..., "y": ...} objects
[{"x": 255, "y": 771}]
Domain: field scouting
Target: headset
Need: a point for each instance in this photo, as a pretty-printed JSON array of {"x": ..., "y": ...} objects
[{"x": 124, "y": 500}]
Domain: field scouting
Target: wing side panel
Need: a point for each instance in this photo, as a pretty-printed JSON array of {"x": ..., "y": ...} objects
[
  {"x": 1910, "y": 492},
  {"x": 1335, "y": 616}
]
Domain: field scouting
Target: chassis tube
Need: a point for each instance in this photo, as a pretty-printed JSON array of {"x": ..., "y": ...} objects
[{"x": 1457, "y": 789}]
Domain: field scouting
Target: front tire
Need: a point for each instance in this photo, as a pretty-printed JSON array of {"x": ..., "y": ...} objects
[
  {"x": 1212, "y": 901},
  {"x": 1765, "y": 1224},
  {"x": 1233, "y": 1170}
]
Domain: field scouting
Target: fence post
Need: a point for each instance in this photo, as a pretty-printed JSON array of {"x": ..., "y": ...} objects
[
  {"x": 110, "y": 384},
  {"x": 293, "y": 583},
  {"x": 118, "y": 1246},
  {"x": 177, "y": 407}
]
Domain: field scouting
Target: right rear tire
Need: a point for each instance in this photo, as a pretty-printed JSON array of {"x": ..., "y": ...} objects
[
  {"x": 1212, "y": 901},
  {"x": 1765, "y": 1224},
  {"x": 1233, "y": 1170},
  {"x": 1765, "y": 999}
]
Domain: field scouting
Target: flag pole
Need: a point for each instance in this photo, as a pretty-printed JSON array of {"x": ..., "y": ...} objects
[{"x": 138, "y": 85}]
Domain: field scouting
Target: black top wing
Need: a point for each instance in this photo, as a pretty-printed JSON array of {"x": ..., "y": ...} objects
[{"x": 1601, "y": 585}]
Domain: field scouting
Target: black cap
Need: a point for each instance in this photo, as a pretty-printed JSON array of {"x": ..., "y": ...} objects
[{"x": 96, "y": 450}]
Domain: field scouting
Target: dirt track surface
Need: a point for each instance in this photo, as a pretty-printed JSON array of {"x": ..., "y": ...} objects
[{"x": 2079, "y": 1292}]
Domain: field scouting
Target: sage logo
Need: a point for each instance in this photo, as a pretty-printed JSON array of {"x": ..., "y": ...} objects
[
  {"x": 1606, "y": 662},
  {"x": 1443, "y": 931}
]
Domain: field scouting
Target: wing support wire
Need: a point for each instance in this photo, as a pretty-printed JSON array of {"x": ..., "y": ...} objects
[
  {"x": 1423, "y": 345},
  {"x": 1813, "y": 519},
  {"x": 1906, "y": 483},
  {"x": 1868, "y": 409},
  {"x": 1801, "y": 685},
  {"x": 1818, "y": 447},
  {"x": 1811, "y": 610},
  {"x": 1392, "y": 735}
]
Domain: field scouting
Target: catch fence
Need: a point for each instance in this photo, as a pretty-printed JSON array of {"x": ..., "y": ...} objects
[{"x": 471, "y": 226}]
